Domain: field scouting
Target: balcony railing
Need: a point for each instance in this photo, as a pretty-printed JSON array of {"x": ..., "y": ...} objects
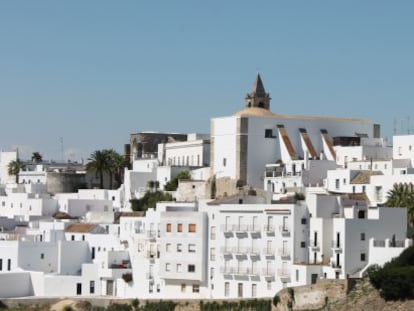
[
  {"x": 124, "y": 264},
  {"x": 284, "y": 230},
  {"x": 151, "y": 234},
  {"x": 269, "y": 252},
  {"x": 268, "y": 273},
  {"x": 227, "y": 250},
  {"x": 242, "y": 271},
  {"x": 284, "y": 253},
  {"x": 315, "y": 245},
  {"x": 336, "y": 265},
  {"x": 269, "y": 229},
  {"x": 336, "y": 244},
  {"x": 284, "y": 274}
]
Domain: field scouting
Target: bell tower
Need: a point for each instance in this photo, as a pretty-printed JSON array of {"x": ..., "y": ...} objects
[{"x": 258, "y": 97}]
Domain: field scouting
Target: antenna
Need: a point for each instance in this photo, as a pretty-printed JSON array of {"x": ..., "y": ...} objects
[
  {"x": 61, "y": 148},
  {"x": 395, "y": 127}
]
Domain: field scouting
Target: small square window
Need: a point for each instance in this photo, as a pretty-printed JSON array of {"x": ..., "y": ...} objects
[
  {"x": 363, "y": 257},
  {"x": 268, "y": 133},
  {"x": 191, "y": 248},
  {"x": 196, "y": 288},
  {"x": 303, "y": 221},
  {"x": 362, "y": 236},
  {"x": 303, "y": 244},
  {"x": 192, "y": 228},
  {"x": 191, "y": 268}
]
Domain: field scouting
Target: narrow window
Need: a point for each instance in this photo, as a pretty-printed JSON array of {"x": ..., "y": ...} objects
[
  {"x": 180, "y": 228},
  {"x": 192, "y": 228},
  {"x": 168, "y": 228},
  {"x": 92, "y": 287}
]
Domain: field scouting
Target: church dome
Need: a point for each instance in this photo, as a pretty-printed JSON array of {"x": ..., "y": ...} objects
[{"x": 254, "y": 112}]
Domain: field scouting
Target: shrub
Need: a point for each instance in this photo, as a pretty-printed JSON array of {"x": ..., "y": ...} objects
[
  {"x": 127, "y": 277},
  {"x": 276, "y": 300},
  {"x": 173, "y": 183},
  {"x": 149, "y": 200}
]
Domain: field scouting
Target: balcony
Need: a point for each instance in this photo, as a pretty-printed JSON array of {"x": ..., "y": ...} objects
[
  {"x": 151, "y": 234},
  {"x": 336, "y": 265},
  {"x": 269, "y": 252},
  {"x": 124, "y": 264},
  {"x": 284, "y": 230},
  {"x": 227, "y": 250},
  {"x": 268, "y": 273},
  {"x": 269, "y": 229},
  {"x": 284, "y": 275},
  {"x": 336, "y": 246},
  {"x": 284, "y": 253},
  {"x": 227, "y": 228},
  {"x": 253, "y": 251},
  {"x": 226, "y": 270},
  {"x": 254, "y": 229},
  {"x": 240, "y": 228},
  {"x": 315, "y": 245}
]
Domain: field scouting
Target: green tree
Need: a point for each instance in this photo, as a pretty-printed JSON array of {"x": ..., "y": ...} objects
[
  {"x": 37, "y": 157},
  {"x": 118, "y": 165},
  {"x": 402, "y": 195},
  {"x": 173, "y": 183},
  {"x": 14, "y": 168},
  {"x": 99, "y": 162},
  {"x": 150, "y": 184},
  {"x": 149, "y": 200}
]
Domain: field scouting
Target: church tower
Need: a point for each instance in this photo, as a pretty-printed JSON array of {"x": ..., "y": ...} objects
[{"x": 258, "y": 97}]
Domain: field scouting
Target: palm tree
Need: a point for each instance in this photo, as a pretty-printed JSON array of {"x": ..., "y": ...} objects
[
  {"x": 36, "y": 157},
  {"x": 99, "y": 162},
  {"x": 117, "y": 165},
  {"x": 14, "y": 168},
  {"x": 402, "y": 195}
]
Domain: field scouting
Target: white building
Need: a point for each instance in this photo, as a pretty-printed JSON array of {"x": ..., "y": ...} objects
[{"x": 236, "y": 140}]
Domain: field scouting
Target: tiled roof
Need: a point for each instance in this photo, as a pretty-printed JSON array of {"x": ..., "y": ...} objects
[
  {"x": 364, "y": 177},
  {"x": 81, "y": 228}
]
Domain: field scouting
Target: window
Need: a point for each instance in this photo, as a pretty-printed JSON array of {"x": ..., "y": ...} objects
[
  {"x": 179, "y": 248},
  {"x": 297, "y": 275},
  {"x": 344, "y": 181},
  {"x": 183, "y": 288},
  {"x": 168, "y": 228},
  {"x": 211, "y": 273},
  {"x": 192, "y": 228},
  {"x": 113, "y": 198},
  {"x": 196, "y": 288},
  {"x": 226, "y": 289},
  {"x": 168, "y": 247},
  {"x": 8, "y": 264},
  {"x": 212, "y": 254},
  {"x": 336, "y": 183},
  {"x": 42, "y": 256},
  {"x": 224, "y": 161},
  {"x": 303, "y": 244},
  {"x": 212, "y": 233},
  {"x": 179, "y": 268},
  {"x": 363, "y": 189},
  {"x": 191, "y": 248},
  {"x": 362, "y": 236},
  {"x": 363, "y": 257},
  {"x": 73, "y": 237},
  {"x": 269, "y": 285},
  {"x": 158, "y": 288},
  {"x": 254, "y": 290},
  {"x": 303, "y": 221},
  {"x": 92, "y": 287},
  {"x": 191, "y": 268},
  {"x": 1, "y": 264},
  {"x": 269, "y": 133},
  {"x": 83, "y": 237},
  {"x": 168, "y": 267},
  {"x": 180, "y": 228}
]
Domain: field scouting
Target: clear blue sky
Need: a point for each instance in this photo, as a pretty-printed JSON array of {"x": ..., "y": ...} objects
[{"x": 92, "y": 72}]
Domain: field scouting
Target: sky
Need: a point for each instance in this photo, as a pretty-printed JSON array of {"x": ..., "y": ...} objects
[{"x": 89, "y": 73}]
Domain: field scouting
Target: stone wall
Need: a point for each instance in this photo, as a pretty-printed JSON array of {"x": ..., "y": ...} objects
[{"x": 313, "y": 296}]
